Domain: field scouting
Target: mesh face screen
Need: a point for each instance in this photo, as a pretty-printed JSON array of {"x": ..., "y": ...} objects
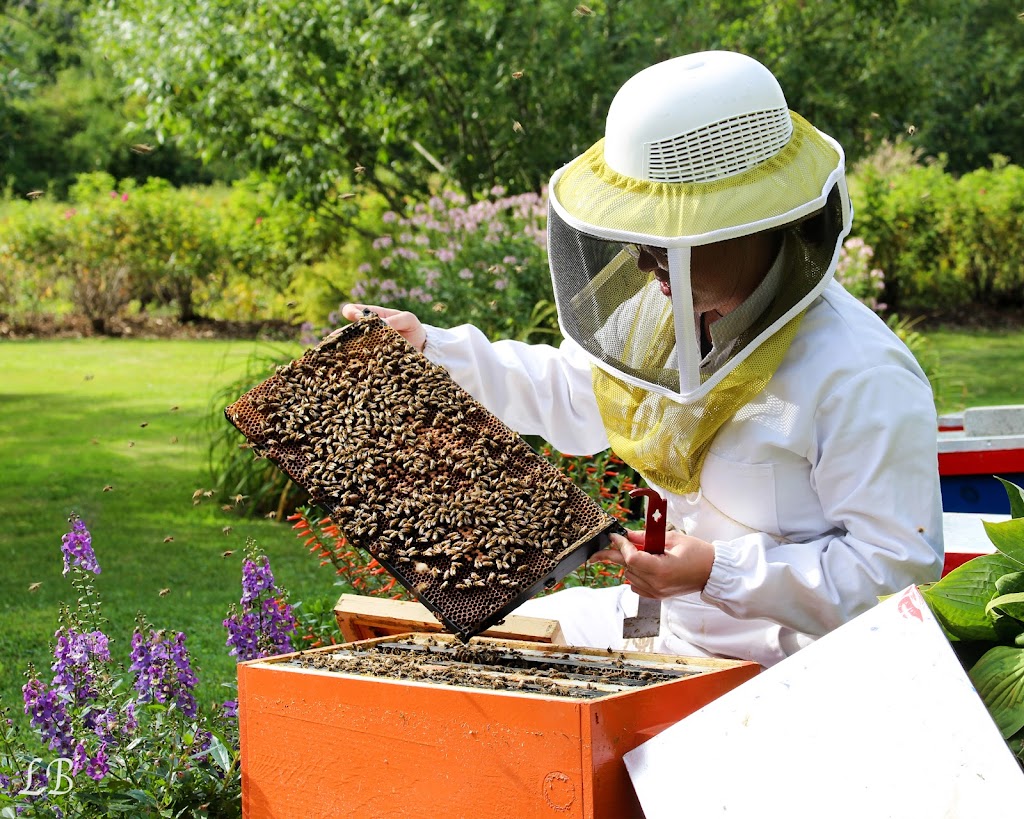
[
  {"x": 665, "y": 440},
  {"x": 415, "y": 471},
  {"x": 610, "y": 307}
]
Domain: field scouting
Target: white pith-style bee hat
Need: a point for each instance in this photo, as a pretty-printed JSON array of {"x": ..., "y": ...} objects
[{"x": 697, "y": 149}]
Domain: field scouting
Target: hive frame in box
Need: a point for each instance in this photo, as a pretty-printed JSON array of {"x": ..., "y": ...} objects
[
  {"x": 400, "y": 748},
  {"x": 419, "y": 474}
]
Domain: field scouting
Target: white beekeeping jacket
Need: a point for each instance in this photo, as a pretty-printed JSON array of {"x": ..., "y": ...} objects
[{"x": 819, "y": 496}]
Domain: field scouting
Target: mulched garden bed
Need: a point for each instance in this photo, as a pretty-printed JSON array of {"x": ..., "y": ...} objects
[{"x": 145, "y": 326}]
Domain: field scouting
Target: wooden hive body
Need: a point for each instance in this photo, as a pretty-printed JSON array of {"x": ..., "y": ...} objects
[{"x": 325, "y": 744}]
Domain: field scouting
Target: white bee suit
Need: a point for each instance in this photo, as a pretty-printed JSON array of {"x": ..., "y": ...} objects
[{"x": 820, "y": 495}]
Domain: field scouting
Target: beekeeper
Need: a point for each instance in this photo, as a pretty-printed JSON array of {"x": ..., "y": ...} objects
[{"x": 692, "y": 254}]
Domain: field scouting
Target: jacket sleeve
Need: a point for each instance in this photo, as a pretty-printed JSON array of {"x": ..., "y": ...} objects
[
  {"x": 874, "y": 469},
  {"x": 535, "y": 389}
]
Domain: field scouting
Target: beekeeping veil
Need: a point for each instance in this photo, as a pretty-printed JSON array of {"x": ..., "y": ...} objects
[{"x": 697, "y": 150}]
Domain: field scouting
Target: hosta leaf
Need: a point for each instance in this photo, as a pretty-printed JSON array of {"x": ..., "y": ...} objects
[
  {"x": 959, "y": 599},
  {"x": 999, "y": 679},
  {"x": 1007, "y": 605},
  {"x": 1008, "y": 538},
  {"x": 1010, "y": 583},
  {"x": 1016, "y": 496},
  {"x": 1011, "y": 605}
]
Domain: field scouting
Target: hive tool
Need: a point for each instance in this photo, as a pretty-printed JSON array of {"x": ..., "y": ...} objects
[{"x": 647, "y": 622}]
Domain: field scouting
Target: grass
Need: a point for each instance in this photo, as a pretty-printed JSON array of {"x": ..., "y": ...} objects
[
  {"x": 91, "y": 426},
  {"x": 977, "y": 367},
  {"x": 114, "y": 429}
]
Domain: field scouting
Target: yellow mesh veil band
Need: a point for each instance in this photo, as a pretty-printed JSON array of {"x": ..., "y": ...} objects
[
  {"x": 590, "y": 191},
  {"x": 666, "y": 441}
]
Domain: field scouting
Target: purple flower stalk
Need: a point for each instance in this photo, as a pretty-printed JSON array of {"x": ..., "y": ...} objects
[
  {"x": 264, "y": 625},
  {"x": 73, "y": 674},
  {"x": 77, "y": 547},
  {"x": 256, "y": 579},
  {"x": 163, "y": 670},
  {"x": 49, "y": 716},
  {"x": 97, "y": 767}
]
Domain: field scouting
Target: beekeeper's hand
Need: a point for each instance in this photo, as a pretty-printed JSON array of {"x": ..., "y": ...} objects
[
  {"x": 684, "y": 567},
  {"x": 403, "y": 321}
]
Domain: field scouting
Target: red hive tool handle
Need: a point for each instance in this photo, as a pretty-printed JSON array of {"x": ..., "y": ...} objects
[{"x": 657, "y": 509}]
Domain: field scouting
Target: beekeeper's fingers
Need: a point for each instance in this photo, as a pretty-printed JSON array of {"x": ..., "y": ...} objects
[{"x": 406, "y": 323}]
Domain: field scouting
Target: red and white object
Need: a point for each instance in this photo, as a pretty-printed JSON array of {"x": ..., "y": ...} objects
[
  {"x": 965, "y": 537},
  {"x": 876, "y": 719}
]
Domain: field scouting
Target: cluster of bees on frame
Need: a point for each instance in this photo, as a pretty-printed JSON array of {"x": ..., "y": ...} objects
[
  {"x": 416, "y": 471},
  {"x": 478, "y": 666}
]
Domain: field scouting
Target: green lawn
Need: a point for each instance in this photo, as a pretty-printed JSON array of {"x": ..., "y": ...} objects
[
  {"x": 78, "y": 416},
  {"x": 978, "y": 367}
]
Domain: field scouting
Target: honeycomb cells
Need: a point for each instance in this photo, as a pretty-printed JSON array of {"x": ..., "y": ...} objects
[{"x": 411, "y": 468}]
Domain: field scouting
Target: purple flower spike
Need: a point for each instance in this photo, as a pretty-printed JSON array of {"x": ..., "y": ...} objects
[
  {"x": 77, "y": 548},
  {"x": 98, "y": 767},
  {"x": 48, "y": 715},
  {"x": 256, "y": 579},
  {"x": 264, "y": 623},
  {"x": 163, "y": 670}
]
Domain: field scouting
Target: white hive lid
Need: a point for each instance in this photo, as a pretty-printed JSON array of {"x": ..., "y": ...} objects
[{"x": 877, "y": 719}]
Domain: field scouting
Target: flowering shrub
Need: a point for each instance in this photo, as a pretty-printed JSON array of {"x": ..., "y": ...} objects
[
  {"x": 483, "y": 263},
  {"x": 855, "y": 272},
  {"x": 102, "y": 746},
  {"x": 262, "y": 624}
]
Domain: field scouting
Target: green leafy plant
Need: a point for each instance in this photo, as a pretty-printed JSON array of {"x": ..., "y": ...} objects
[
  {"x": 109, "y": 740},
  {"x": 981, "y": 607}
]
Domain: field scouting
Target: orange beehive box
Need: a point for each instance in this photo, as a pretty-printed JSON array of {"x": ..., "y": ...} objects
[{"x": 317, "y": 742}]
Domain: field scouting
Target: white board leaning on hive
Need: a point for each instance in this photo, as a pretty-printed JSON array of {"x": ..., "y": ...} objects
[{"x": 877, "y": 719}]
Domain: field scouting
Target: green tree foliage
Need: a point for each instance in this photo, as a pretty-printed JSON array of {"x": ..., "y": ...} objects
[
  {"x": 118, "y": 246},
  {"x": 944, "y": 241},
  {"x": 62, "y": 111},
  {"x": 328, "y": 94},
  {"x": 945, "y": 73}
]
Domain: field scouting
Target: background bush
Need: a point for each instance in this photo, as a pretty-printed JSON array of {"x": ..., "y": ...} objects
[
  {"x": 944, "y": 242},
  {"x": 116, "y": 247}
]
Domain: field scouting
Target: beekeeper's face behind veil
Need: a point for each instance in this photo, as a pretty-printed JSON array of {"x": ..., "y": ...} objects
[{"x": 703, "y": 181}]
